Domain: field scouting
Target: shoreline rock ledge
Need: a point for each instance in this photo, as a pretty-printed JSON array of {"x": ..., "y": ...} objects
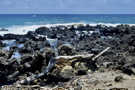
[{"x": 80, "y": 57}]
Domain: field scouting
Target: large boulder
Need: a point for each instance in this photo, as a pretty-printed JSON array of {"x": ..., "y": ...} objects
[
  {"x": 81, "y": 68},
  {"x": 66, "y": 49},
  {"x": 12, "y": 36},
  {"x": 1, "y": 37},
  {"x": 42, "y": 31},
  {"x": 1, "y": 44},
  {"x": 48, "y": 53},
  {"x": 31, "y": 35},
  {"x": 67, "y": 72},
  {"x": 4, "y": 53}
]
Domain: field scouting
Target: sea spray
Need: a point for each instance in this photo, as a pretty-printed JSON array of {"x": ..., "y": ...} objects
[
  {"x": 53, "y": 43},
  {"x": 20, "y": 45},
  {"x": 8, "y": 44},
  {"x": 16, "y": 55}
]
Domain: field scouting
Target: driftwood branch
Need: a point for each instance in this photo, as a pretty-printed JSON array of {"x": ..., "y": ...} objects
[
  {"x": 74, "y": 57},
  {"x": 101, "y": 53}
]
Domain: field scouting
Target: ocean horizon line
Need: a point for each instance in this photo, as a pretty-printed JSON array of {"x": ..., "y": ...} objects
[{"x": 62, "y": 14}]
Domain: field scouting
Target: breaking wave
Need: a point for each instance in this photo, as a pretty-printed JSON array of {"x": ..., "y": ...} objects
[{"x": 23, "y": 29}]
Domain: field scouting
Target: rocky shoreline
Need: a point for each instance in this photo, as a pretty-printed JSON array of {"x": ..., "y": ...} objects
[{"x": 67, "y": 57}]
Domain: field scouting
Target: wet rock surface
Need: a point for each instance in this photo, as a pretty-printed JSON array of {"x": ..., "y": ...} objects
[{"x": 58, "y": 55}]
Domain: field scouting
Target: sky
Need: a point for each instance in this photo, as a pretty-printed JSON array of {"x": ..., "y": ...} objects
[{"x": 67, "y": 6}]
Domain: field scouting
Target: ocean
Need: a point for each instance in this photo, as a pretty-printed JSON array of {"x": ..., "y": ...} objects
[{"x": 20, "y": 23}]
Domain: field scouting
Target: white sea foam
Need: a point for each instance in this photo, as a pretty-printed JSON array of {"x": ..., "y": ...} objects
[
  {"x": 24, "y": 29},
  {"x": 16, "y": 55}
]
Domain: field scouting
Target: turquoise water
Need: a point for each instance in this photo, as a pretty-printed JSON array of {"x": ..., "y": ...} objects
[{"x": 7, "y": 20}]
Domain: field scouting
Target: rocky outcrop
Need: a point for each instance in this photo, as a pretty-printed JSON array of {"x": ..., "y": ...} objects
[
  {"x": 66, "y": 49},
  {"x": 56, "y": 55}
]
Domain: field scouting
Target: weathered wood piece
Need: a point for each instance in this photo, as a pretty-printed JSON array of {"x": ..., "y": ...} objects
[{"x": 101, "y": 53}]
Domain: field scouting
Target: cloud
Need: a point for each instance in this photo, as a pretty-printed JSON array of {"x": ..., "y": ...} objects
[{"x": 44, "y": 6}]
